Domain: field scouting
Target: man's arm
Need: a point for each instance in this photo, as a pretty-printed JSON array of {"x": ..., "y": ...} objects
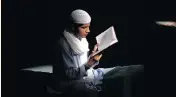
[{"x": 71, "y": 68}]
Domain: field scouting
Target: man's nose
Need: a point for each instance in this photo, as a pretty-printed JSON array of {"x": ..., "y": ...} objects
[{"x": 88, "y": 30}]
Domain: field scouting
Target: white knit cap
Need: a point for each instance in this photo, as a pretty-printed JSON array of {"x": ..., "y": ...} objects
[{"x": 80, "y": 17}]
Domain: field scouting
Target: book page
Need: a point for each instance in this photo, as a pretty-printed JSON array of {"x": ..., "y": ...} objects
[{"x": 106, "y": 39}]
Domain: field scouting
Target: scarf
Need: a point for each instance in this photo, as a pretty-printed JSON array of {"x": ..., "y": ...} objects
[{"x": 79, "y": 46}]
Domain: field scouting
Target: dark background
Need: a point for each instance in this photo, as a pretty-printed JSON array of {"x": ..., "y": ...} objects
[{"x": 31, "y": 30}]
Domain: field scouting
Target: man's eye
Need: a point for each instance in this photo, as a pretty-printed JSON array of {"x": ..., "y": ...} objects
[{"x": 84, "y": 27}]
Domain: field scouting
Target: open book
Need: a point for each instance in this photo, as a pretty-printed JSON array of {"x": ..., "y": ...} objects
[{"x": 106, "y": 39}]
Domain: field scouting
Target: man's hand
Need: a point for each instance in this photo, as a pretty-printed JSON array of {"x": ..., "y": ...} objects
[
  {"x": 96, "y": 58},
  {"x": 94, "y": 50}
]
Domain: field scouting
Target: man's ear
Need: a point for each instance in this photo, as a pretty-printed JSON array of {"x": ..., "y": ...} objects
[{"x": 73, "y": 27}]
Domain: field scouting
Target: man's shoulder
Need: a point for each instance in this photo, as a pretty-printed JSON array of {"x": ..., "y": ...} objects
[
  {"x": 61, "y": 39},
  {"x": 63, "y": 43}
]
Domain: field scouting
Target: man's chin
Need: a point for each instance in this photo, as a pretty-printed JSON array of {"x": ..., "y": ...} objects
[{"x": 84, "y": 36}]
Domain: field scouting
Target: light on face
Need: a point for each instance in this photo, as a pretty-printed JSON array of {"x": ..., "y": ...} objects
[{"x": 87, "y": 29}]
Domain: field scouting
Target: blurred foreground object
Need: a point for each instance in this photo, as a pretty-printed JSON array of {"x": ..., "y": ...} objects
[{"x": 166, "y": 23}]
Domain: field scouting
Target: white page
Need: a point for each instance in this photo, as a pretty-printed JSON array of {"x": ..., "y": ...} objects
[{"x": 106, "y": 39}]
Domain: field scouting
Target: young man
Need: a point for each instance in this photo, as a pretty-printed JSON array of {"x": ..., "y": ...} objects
[{"x": 76, "y": 72}]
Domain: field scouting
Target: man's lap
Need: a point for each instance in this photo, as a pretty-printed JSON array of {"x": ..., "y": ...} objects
[
  {"x": 108, "y": 73},
  {"x": 117, "y": 71}
]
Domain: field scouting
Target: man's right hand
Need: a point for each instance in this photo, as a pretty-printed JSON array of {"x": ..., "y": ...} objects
[
  {"x": 94, "y": 59},
  {"x": 94, "y": 50}
]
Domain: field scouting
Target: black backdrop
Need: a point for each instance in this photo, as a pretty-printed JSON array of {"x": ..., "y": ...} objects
[
  {"x": 32, "y": 28},
  {"x": 39, "y": 23}
]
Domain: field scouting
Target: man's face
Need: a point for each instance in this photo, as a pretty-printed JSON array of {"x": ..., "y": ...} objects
[{"x": 84, "y": 30}]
